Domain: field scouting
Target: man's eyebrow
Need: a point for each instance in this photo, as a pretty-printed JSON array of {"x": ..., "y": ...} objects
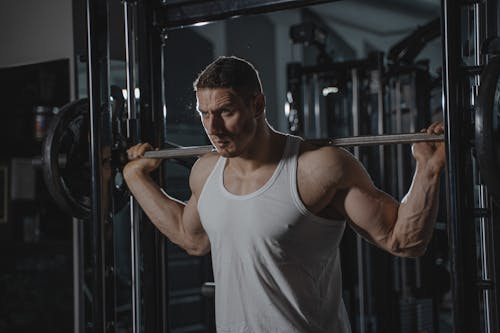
[{"x": 226, "y": 105}]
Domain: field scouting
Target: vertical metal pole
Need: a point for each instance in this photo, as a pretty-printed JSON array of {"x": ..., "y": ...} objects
[
  {"x": 392, "y": 182},
  {"x": 399, "y": 129},
  {"x": 487, "y": 274},
  {"x": 317, "y": 110},
  {"x": 481, "y": 192},
  {"x": 484, "y": 223},
  {"x": 412, "y": 100},
  {"x": 163, "y": 133},
  {"x": 460, "y": 222},
  {"x": 135, "y": 265},
  {"x": 401, "y": 262},
  {"x": 355, "y": 107},
  {"x": 78, "y": 280},
  {"x": 103, "y": 303},
  {"x": 380, "y": 123},
  {"x": 359, "y": 239},
  {"x": 130, "y": 15},
  {"x": 154, "y": 284},
  {"x": 307, "y": 102}
]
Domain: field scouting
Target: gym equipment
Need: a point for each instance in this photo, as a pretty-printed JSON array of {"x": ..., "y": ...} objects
[
  {"x": 66, "y": 165},
  {"x": 69, "y": 182}
]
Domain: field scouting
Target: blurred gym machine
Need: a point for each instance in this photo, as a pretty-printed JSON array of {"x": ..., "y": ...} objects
[{"x": 367, "y": 97}]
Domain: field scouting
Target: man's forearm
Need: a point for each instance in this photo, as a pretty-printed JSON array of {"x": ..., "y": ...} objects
[
  {"x": 165, "y": 212},
  {"x": 417, "y": 214}
]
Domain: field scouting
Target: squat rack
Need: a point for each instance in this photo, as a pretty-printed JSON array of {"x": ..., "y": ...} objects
[{"x": 146, "y": 26}]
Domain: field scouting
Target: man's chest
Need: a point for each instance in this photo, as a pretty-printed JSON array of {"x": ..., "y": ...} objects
[{"x": 239, "y": 183}]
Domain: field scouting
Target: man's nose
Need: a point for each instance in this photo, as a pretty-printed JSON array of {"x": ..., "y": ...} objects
[{"x": 214, "y": 124}]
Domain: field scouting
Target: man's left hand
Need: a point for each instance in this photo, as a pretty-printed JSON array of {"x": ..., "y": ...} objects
[{"x": 431, "y": 154}]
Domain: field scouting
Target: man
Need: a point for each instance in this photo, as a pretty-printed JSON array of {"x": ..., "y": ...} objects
[{"x": 272, "y": 208}]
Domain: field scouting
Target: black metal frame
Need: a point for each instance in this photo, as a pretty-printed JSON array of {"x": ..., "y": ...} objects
[
  {"x": 465, "y": 251},
  {"x": 103, "y": 278},
  {"x": 458, "y": 213},
  {"x": 155, "y": 286}
]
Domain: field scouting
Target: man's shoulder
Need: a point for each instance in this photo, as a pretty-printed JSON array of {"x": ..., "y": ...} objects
[
  {"x": 323, "y": 164},
  {"x": 207, "y": 160},
  {"x": 317, "y": 156},
  {"x": 201, "y": 170}
]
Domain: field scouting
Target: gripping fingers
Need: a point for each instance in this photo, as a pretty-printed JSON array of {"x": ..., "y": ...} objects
[
  {"x": 138, "y": 150},
  {"x": 436, "y": 128}
]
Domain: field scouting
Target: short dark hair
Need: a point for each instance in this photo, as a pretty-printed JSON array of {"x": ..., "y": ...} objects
[{"x": 230, "y": 72}]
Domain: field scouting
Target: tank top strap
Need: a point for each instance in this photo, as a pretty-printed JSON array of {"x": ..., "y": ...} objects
[
  {"x": 213, "y": 176},
  {"x": 291, "y": 154},
  {"x": 293, "y": 146}
]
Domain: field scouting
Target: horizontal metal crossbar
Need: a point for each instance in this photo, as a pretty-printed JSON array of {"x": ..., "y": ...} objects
[{"x": 179, "y": 14}]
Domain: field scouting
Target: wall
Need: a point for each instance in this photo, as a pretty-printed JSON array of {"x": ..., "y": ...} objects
[{"x": 34, "y": 31}]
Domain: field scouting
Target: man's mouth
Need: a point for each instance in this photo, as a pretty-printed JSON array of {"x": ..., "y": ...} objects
[
  {"x": 221, "y": 143},
  {"x": 220, "y": 139}
]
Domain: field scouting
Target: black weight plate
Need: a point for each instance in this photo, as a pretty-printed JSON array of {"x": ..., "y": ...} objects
[
  {"x": 66, "y": 167},
  {"x": 487, "y": 130}
]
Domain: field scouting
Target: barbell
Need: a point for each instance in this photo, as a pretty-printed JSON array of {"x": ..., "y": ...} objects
[
  {"x": 66, "y": 167},
  {"x": 354, "y": 141}
]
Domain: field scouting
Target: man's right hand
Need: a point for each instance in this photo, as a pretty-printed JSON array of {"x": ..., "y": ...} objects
[
  {"x": 177, "y": 220},
  {"x": 137, "y": 161}
]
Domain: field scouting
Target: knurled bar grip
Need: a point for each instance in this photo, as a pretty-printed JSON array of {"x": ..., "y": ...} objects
[{"x": 371, "y": 140}]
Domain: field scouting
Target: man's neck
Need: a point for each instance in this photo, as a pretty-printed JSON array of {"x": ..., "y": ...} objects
[{"x": 266, "y": 148}]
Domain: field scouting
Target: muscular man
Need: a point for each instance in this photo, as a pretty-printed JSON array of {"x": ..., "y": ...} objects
[{"x": 272, "y": 209}]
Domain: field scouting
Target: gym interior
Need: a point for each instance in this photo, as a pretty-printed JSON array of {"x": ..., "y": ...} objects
[{"x": 83, "y": 80}]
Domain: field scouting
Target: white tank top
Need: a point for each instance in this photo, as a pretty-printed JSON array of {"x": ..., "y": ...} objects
[{"x": 276, "y": 265}]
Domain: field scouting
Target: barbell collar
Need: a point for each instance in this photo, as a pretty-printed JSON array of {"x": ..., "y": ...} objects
[{"x": 354, "y": 141}]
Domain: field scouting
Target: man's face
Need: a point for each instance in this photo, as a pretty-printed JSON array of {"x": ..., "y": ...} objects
[{"x": 230, "y": 123}]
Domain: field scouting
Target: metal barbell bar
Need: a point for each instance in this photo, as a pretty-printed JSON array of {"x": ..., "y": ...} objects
[{"x": 371, "y": 140}]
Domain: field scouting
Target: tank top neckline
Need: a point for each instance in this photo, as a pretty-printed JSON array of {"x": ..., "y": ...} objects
[{"x": 222, "y": 165}]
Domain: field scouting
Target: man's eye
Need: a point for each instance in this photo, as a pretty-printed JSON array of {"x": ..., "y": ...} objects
[{"x": 203, "y": 114}]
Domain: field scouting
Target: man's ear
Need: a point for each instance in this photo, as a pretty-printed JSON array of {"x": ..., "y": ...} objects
[{"x": 260, "y": 105}]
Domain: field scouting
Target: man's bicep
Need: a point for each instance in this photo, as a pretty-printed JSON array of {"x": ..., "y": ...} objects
[
  {"x": 191, "y": 217},
  {"x": 194, "y": 229},
  {"x": 371, "y": 211}
]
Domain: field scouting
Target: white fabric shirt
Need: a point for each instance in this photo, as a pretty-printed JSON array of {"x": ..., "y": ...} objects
[{"x": 276, "y": 265}]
